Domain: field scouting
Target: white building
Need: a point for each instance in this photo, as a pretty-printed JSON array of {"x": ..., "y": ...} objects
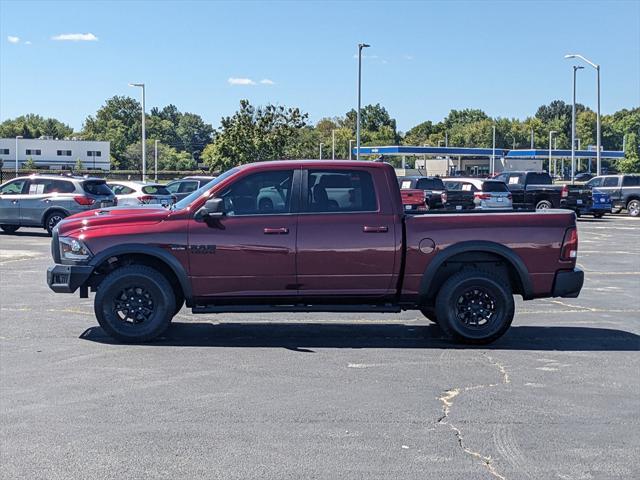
[{"x": 53, "y": 154}]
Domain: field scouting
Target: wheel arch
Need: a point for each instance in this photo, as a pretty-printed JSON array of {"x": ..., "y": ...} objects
[
  {"x": 49, "y": 210},
  {"x": 460, "y": 255},
  {"x": 149, "y": 255}
]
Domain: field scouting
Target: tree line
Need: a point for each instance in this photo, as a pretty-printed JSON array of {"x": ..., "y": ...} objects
[{"x": 257, "y": 133}]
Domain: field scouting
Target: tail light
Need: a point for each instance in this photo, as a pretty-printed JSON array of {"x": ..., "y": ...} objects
[
  {"x": 443, "y": 197},
  {"x": 145, "y": 198},
  {"x": 570, "y": 245},
  {"x": 565, "y": 191},
  {"x": 482, "y": 196},
  {"x": 174, "y": 199},
  {"x": 509, "y": 196},
  {"x": 82, "y": 200}
]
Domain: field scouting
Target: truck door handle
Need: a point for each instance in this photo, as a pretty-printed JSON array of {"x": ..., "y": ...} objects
[
  {"x": 369, "y": 229},
  {"x": 14, "y": 202},
  {"x": 276, "y": 231}
]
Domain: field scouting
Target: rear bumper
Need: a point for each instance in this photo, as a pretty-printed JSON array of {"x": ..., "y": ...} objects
[
  {"x": 68, "y": 278},
  {"x": 568, "y": 283}
]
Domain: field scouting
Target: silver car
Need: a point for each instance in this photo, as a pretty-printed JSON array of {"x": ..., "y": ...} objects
[
  {"x": 487, "y": 194},
  {"x": 133, "y": 194},
  {"x": 44, "y": 200}
]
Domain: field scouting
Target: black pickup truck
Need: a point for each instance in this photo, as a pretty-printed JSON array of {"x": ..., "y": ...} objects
[
  {"x": 535, "y": 190},
  {"x": 435, "y": 193},
  {"x": 624, "y": 191}
]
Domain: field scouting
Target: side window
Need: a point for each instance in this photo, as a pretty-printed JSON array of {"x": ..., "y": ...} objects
[
  {"x": 173, "y": 187},
  {"x": 14, "y": 188},
  {"x": 630, "y": 181},
  {"x": 515, "y": 179},
  {"x": 115, "y": 188},
  {"x": 59, "y": 186},
  {"x": 260, "y": 194},
  {"x": 340, "y": 191},
  {"x": 610, "y": 182},
  {"x": 187, "y": 187},
  {"x": 595, "y": 182}
]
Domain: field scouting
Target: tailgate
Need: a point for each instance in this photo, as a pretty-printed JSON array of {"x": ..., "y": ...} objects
[{"x": 579, "y": 196}]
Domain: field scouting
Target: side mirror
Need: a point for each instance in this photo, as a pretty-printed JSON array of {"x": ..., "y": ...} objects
[{"x": 213, "y": 208}]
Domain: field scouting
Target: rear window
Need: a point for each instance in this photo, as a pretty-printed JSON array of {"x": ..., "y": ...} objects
[
  {"x": 96, "y": 187},
  {"x": 494, "y": 187},
  {"x": 430, "y": 184},
  {"x": 155, "y": 190},
  {"x": 631, "y": 181}
]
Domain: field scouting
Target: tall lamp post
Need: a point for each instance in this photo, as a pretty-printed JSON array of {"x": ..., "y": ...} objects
[
  {"x": 573, "y": 125},
  {"x": 333, "y": 144},
  {"x": 17, "y": 137},
  {"x": 350, "y": 147},
  {"x": 360, "y": 47},
  {"x": 598, "y": 136},
  {"x": 493, "y": 153},
  {"x": 155, "y": 151},
  {"x": 551, "y": 133},
  {"x": 144, "y": 136},
  {"x": 321, "y": 144}
]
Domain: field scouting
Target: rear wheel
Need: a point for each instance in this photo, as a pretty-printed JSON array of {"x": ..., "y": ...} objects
[
  {"x": 135, "y": 304},
  {"x": 543, "y": 205},
  {"x": 9, "y": 228},
  {"x": 474, "y": 306},
  {"x": 52, "y": 220},
  {"x": 633, "y": 207}
]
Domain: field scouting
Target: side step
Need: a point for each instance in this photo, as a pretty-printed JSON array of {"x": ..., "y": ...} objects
[{"x": 387, "y": 308}]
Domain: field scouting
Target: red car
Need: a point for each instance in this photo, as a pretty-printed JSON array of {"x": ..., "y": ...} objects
[{"x": 333, "y": 237}]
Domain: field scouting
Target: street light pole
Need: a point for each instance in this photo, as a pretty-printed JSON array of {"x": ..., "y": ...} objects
[
  {"x": 573, "y": 125},
  {"x": 321, "y": 144},
  {"x": 17, "y": 137},
  {"x": 144, "y": 136},
  {"x": 598, "y": 132},
  {"x": 551, "y": 132},
  {"x": 350, "y": 147},
  {"x": 360, "y": 47},
  {"x": 155, "y": 177},
  {"x": 333, "y": 144},
  {"x": 493, "y": 153}
]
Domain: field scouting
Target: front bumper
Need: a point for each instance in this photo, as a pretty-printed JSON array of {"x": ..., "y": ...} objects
[
  {"x": 568, "y": 283},
  {"x": 68, "y": 278}
]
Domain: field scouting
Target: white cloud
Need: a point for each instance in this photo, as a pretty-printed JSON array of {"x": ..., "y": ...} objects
[
  {"x": 407, "y": 57},
  {"x": 12, "y": 39},
  {"x": 76, "y": 37},
  {"x": 28, "y": 42},
  {"x": 240, "y": 81},
  {"x": 266, "y": 81}
]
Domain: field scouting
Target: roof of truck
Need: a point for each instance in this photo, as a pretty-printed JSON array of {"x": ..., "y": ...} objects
[{"x": 316, "y": 163}]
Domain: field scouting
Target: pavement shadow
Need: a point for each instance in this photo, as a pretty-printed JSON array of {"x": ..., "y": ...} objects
[
  {"x": 305, "y": 336},
  {"x": 25, "y": 234}
]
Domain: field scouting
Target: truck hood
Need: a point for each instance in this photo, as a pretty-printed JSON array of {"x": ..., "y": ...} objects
[{"x": 112, "y": 217}]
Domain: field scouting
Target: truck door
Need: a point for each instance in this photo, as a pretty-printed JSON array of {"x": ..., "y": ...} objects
[
  {"x": 250, "y": 252},
  {"x": 10, "y": 197},
  {"x": 346, "y": 238},
  {"x": 611, "y": 185}
]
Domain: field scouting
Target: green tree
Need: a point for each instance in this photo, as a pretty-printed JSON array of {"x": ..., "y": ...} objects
[
  {"x": 253, "y": 134},
  {"x": 631, "y": 161},
  {"x": 34, "y": 126},
  {"x": 78, "y": 166},
  {"x": 29, "y": 164}
]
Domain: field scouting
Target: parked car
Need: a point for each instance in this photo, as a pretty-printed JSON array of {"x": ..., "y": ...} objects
[
  {"x": 44, "y": 200},
  {"x": 183, "y": 187},
  {"x": 486, "y": 194},
  {"x": 601, "y": 204},
  {"x": 624, "y": 191},
  {"x": 434, "y": 190},
  {"x": 459, "y": 194},
  {"x": 535, "y": 190},
  {"x": 132, "y": 194},
  {"x": 337, "y": 245},
  {"x": 583, "y": 177}
]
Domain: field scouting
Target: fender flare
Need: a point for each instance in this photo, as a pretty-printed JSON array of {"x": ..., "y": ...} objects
[
  {"x": 152, "y": 251},
  {"x": 52, "y": 208},
  {"x": 511, "y": 257}
]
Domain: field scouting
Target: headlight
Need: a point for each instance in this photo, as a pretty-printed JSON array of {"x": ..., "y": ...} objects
[{"x": 73, "y": 249}]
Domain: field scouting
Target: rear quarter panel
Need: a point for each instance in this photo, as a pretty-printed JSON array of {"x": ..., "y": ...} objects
[{"x": 534, "y": 237}]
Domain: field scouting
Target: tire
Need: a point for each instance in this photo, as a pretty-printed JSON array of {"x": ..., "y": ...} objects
[
  {"x": 490, "y": 302},
  {"x": 138, "y": 284},
  {"x": 598, "y": 215},
  {"x": 633, "y": 208},
  {"x": 430, "y": 313},
  {"x": 544, "y": 205},
  {"x": 53, "y": 219},
  {"x": 9, "y": 228}
]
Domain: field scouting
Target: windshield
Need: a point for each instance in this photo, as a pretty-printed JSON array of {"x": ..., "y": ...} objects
[{"x": 186, "y": 201}]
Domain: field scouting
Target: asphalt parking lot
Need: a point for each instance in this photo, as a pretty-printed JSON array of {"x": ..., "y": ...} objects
[{"x": 324, "y": 396}]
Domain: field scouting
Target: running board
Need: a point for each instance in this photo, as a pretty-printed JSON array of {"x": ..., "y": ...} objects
[{"x": 388, "y": 308}]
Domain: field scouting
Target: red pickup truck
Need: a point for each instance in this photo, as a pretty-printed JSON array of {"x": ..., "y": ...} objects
[{"x": 312, "y": 236}]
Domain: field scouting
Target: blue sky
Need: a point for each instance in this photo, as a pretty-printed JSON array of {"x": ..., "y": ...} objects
[{"x": 505, "y": 57}]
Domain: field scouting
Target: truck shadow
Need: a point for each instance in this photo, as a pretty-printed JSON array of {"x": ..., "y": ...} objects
[{"x": 306, "y": 336}]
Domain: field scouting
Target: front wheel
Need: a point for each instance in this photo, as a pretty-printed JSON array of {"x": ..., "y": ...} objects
[
  {"x": 633, "y": 207},
  {"x": 53, "y": 219},
  {"x": 135, "y": 304},
  {"x": 475, "y": 307}
]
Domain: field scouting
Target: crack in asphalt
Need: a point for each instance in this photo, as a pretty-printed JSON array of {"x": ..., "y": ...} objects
[{"x": 447, "y": 399}]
